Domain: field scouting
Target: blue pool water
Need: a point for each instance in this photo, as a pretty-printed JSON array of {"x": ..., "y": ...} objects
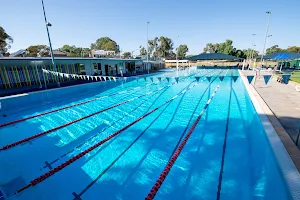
[{"x": 128, "y": 165}]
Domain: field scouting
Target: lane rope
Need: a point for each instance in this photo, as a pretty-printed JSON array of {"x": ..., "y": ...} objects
[
  {"x": 78, "y": 104},
  {"x": 75, "y": 158},
  {"x": 173, "y": 159},
  {"x": 70, "y": 106},
  {"x": 97, "y": 134},
  {"x": 89, "y": 139},
  {"x": 193, "y": 114},
  {"x": 77, "y": 196},
  {"x": 6, "y": 147}
]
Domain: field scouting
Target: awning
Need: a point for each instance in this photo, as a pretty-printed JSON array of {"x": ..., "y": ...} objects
[
  {"x": 213, "y": 56},
  {"x": 281, "y": 56}
]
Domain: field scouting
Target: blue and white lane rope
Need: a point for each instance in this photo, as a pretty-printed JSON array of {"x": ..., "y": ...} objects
[
  {"x": 74, "y": 105},
  {"x": 174, "y": 157},
  {"x": 77, "y": 157},
  {"x": 89, "y": 139},
  {"x": 6, "y": 147}
]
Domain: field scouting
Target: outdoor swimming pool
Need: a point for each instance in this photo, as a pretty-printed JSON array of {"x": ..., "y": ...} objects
[{"x": 225, "y": 156}]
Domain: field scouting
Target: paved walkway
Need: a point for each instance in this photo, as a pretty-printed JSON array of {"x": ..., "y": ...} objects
[
  {"x": 281, "y": 103},
  {"x": 283, "y": 100}
]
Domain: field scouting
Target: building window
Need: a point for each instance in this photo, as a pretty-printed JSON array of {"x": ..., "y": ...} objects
[{"x": 97, "y": 69}]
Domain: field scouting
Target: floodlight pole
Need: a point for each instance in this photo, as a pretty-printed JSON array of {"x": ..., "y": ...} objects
[
  {"x": 252, "y": 51},
  {"x": 51, "y": 50},
  {"x": 177, "y": 58},
  {"x": 268, "y": 36},
  {"x": 147, "y": 48},
  {"x": 268, "y": 24}
]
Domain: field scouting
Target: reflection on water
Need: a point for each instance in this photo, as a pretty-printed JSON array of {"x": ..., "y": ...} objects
[{"x": 128, "y": 165}]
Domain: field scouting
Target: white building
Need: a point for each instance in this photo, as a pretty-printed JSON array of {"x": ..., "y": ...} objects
[{"x": 102, "y": 54}]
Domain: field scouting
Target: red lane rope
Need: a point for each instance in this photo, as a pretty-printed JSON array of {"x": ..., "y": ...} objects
[
  {"x": 63, "y": 108},
  {"x": 60, "y": 167},
  {"x": 74, "y": 105},
  {"x": 65, "y": 164},
  {"x": 176, "y": 154},
  {"x": 77, "y": 120},
  {"x": 59, "y": 127}
]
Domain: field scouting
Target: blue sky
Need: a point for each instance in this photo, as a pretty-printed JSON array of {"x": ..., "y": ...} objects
[{"x": 196, "y": 22}]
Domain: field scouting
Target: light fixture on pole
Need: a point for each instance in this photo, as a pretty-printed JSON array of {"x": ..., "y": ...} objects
[
  {"x": 177, "y": 57},
  {"x": 252, "y": 56},
  {"x": 252, "y": 51},
  {"x": 48, "y": 24},
  {"x": 132, "y": 52},
  {"x": 268, "y": 36},
  {"x": 268, "y": 24},
  {"x": 147, "y": 48}
]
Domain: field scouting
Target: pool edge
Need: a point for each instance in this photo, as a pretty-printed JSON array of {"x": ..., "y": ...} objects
[{"x": 285, "y": 162}]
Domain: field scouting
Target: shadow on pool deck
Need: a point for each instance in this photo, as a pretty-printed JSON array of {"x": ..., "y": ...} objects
[
  {"x": 286, "y": 129},
  {"x": 292, "y": 127}
]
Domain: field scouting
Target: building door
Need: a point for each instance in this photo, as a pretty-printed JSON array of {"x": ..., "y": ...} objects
[{"x": 106, "y": 70}]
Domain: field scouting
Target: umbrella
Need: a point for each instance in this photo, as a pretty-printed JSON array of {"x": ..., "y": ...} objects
[{"x": 283, "y": 56}]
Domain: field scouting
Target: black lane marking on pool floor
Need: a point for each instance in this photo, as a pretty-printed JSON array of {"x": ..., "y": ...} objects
[
  {"x": 78, "y": 196},
  {"x": 170, "y": 164},
  {"x": 186, "y": 128},
  {"x": 108, "y": 126},
  {"x": 57, "y": 169},
  {"x": 89, "y": 139},
  {"x": 224, "y": 146},
  {"x": 38, "y": 135}
]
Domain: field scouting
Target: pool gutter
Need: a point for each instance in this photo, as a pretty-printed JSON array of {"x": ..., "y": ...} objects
[{"x": 286, "y": 152}]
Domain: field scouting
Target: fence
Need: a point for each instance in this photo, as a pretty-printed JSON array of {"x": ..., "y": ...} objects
[
  {"x": 31, "y": 76},
  {"x": 222, "y": 63}
]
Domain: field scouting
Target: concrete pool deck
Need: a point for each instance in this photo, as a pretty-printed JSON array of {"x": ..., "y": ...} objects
[{"x": 284, "y": 147}]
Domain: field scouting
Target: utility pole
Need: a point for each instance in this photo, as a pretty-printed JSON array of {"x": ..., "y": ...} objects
[
  {"x": 51, "y": 50},
  {"x": 267, "y": 31},
  {"x": 147, "y": 48},
  {"x": 177, "y": 57}
]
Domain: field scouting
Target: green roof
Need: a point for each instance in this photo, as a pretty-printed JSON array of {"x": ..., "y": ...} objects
[{"x": 213, "y": 56}]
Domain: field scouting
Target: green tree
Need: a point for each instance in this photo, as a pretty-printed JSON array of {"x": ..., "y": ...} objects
[
  {"x": 105, "y": 43},
  {"x": 273, "y": 49},
  {"x": 74, "y": 51},
  {"x": 153, "y": 46},
  {"x": 182, "y": 50},
  {"x": 226, "y": 47},
  {"x": 34, "y": 50},
  {"x": 158, "y": 47},
  {"x": 5, "y": 41},
  {"x": 171, "y": 55},
  {"x": 250, "y": 53},
  {"x": 164, "y": 47},
  {"x": 211, "y": 48},
  {"x": 240, "y": 53},
  {"x": 293, "y": 49},
  {"x": 85, "y": 52},
  {"x": 126, "y": 54},
  {"x": 143, "y": 51}
]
